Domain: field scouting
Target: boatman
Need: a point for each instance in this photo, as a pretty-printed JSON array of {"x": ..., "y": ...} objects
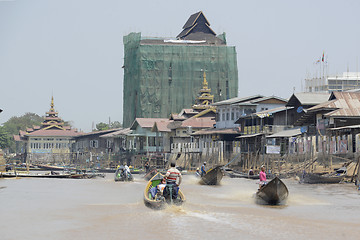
[
  {"x": 203, "y": 170},
  {"x": 262, "y": 176},
  {"x": 173, "y": 177}
]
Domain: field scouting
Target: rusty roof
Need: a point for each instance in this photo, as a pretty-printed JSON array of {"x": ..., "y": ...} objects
[
  {"x": 54, "y": 133},
  {"x": 161, "y": 126},
  {"x": 343, "y": 104},
  {"x": 146, "y": 122},
  {"x": 205, "y": 122}
]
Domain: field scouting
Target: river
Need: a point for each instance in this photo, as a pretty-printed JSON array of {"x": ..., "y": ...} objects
[{"x": 100, "y": 208}]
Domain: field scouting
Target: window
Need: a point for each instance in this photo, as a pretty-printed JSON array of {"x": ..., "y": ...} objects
[
  {"x": 232, "y": 115},
  {"x": 94, "y": 143}
]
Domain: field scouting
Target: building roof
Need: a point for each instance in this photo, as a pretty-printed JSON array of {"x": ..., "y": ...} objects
[
  {"x": 307, "y": 99},
  {"x": 265, "y": 113},
  {"x": 205, "y": 122},
  {"x": 263, "y": 99},
  {"x": 286, "y": 133},
  {"x": 102, "y": 132},
  {"x": 120, "y": 132},
  {"x": 343, "y": 104},
  {"x": 146, "y": 122},
  {"x": 219, "y": 131},
  {"x": 161, "y": 126},
  {"x": 53, "y": 133},
  {"x": 197, "y": 23},
  {"x": 237, "y": 100},
  {"x": 345, "y": 127}
]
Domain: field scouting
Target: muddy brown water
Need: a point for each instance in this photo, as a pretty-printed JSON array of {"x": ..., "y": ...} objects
[{"x": 100, "y": 208}]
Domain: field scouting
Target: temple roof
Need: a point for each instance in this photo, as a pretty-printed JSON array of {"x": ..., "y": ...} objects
[{"x": 197, "y": 27}]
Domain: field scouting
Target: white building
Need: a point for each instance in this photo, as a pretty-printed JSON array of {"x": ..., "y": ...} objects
[
  {"x": 340, "y": 82},
  {"x": 228, "y": 111}
]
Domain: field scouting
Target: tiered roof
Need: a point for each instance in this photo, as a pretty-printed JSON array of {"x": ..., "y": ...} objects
[{"x": 52, "y": 125}]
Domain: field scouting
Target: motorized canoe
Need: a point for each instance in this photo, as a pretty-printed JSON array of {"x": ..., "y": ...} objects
[
  {"x": 243, "y": 175},
  {"x": 213, "y": 176},
  {"x": 273, "y": 193},
  {"x": 314, "y": 178},
  {"x": 157, "y": 201},
  {"x": 150, "y": 174},
  {"x": 122, "y": 175}
]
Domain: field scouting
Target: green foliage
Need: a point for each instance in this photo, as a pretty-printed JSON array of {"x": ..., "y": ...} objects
[
  {"x": 104, "y": 126},
  {"x": 115, "y": 124},
  {"x": 5, "y": 138},
  {"x": 101, "y": 126},
  {"x": 15, "y": 124}
]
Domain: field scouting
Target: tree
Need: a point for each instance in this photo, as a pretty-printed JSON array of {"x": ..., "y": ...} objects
[
  {"x": 104, "y": 126},
  {"x": 5, "y": 138},
  {"x": 115, "y": 124},
  {"x": 101, "y": 126},
  {"x": 14, "y": 125}
]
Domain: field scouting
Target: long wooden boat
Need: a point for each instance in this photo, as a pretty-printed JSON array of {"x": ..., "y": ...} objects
[
  {"x": 313, "y": 178},
  {"x": 150, "y": 174},
  {"x": 243, "y": 175},
  {"x": 273, "y": 193},
  {"x": 120, "y": 176},
  {"x": 159, "y": 202},
  {"x": 32, "y": 175},
  {"x": 213, "y": 176}
]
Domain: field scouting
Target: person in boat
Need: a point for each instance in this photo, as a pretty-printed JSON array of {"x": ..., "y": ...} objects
[
  {"x": 126, "y": 170},
  {"x": 251, "y": 171},
  {"x": 173, "y": 179},
  {"x": 203, "y": 169},
  {"x": 161, "y": 186},
  {"x": 197, "y": 173},
  {"x": 262, "y": 176},
  {"x": 147, "y": 166}
]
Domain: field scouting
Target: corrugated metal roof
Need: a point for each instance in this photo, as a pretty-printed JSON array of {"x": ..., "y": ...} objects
[
  {"x": 345, "y": 104},
  {"x": 223, "y": 131},
  {"x": 204, "y": 122},
  {"x": 346, "y": 127},
  {"x": 147, "y": 122},
  {"x": 162, "y": 126},
  {"x": 309, "y": 98},
  {"x": 237, "y": 100},
  {"x": 121, "y": 132},
  {"x": 286, "y": 133},
  {"x": 57, "y": 133}
]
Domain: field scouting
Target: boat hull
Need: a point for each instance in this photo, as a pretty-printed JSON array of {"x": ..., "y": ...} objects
[
  {"x": 121, "y": 177},
  {"x": 212, "y": 177},
  {"x": 273, "y": 193},
  {"x": 160, "y": 203},
  {"x": 312, "y": 178}
]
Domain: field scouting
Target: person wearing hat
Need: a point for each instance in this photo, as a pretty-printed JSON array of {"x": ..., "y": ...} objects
[
  {"x": 203, "y": 169},
  {"x": 262, "y": 176}
]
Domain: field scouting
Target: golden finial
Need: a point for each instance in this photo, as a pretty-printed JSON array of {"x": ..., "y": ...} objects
[
  {"x": 52, "y": 104},
  {"x": 205, "y": 84}
]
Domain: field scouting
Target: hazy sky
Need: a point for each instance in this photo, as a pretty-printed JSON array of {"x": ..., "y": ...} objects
[{"x": 73, "y": 49}]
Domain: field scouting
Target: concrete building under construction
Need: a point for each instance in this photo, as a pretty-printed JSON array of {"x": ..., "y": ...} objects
[{"x": 163, "y": 76}]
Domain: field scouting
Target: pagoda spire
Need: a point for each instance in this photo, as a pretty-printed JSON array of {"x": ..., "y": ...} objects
[
  {"x": 205, "y": 98},
  {"x": 52, "y": 121},
  {"x": 52, "y": 104}
]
